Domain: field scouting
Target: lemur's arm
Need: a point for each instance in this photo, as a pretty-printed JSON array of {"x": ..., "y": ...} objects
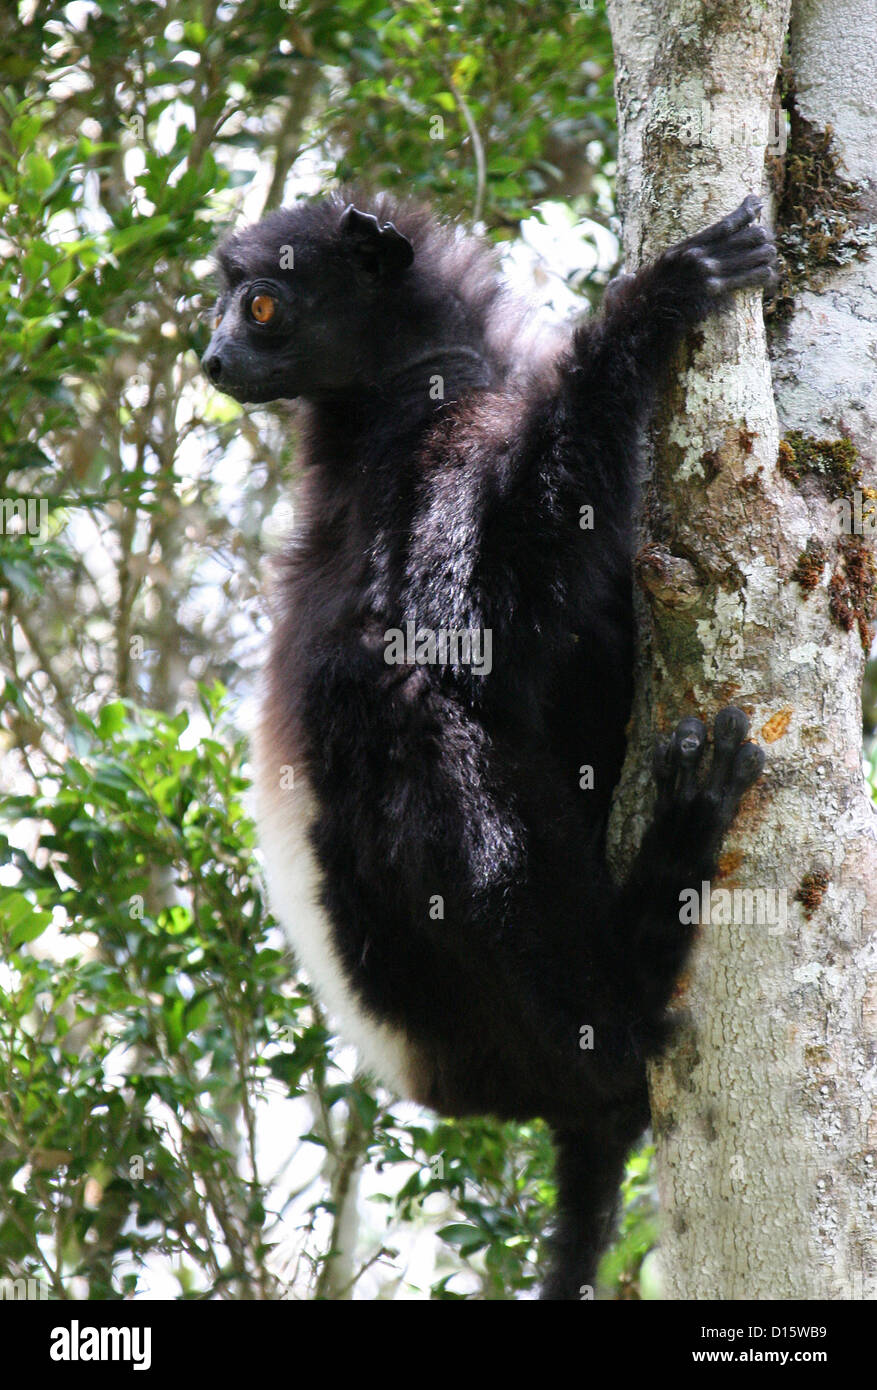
[
  {"x": 578, "y": 448},
  {"x": 645, "y": 316}
]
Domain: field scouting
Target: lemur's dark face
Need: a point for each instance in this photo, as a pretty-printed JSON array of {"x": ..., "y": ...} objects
[
  {"x": 301, "y": 303},
  {"x": 271, "y": 339}
]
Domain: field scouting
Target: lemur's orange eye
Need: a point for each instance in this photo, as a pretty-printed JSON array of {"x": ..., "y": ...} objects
[
  {"x": 262, "y": 307},
  {"x": 217, "y": 320}
]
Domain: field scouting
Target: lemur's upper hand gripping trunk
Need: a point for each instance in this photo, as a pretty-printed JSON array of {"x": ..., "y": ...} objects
[{"x": 452, "y": 646}]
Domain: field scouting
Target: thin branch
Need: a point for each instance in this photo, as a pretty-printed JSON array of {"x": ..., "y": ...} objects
[{"x": 477, "y": 148}]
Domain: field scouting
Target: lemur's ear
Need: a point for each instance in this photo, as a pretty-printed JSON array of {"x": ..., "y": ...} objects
[{"x": 380, "y": 249}]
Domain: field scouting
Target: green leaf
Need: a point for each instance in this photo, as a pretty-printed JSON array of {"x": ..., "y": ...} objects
[
  {"x": 467, "y": 1239},
  {"x": 29, "y": 929}
]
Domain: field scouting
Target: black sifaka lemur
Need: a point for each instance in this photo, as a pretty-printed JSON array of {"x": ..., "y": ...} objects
[{"x": 453, "y": 645}]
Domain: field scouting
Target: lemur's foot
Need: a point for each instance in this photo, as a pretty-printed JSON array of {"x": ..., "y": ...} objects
[
  {"x": 736, "y": 253},
  {"x": 735, "y": 766}
]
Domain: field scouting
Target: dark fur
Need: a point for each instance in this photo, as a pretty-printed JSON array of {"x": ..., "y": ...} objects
[{"x": 433, "y": 780}]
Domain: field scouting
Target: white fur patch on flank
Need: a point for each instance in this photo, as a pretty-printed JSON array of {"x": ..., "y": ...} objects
[{"x": 293, "y": 877}]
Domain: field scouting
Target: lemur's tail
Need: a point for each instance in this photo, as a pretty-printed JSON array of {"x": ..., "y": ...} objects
[{"x": 589, "y": 1175}]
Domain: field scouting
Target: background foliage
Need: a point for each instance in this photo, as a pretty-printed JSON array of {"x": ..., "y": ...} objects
[{"x": 175, "y": 1119}]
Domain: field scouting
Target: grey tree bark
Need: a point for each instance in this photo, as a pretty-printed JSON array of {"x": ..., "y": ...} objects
[{"x": 764, "y": 1108}]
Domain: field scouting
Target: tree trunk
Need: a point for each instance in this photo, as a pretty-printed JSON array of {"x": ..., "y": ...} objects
[{"x": 763, "y": 1108}]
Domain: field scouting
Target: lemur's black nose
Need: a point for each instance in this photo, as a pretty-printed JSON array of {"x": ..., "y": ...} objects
[{"x": 212, "y": 364}]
